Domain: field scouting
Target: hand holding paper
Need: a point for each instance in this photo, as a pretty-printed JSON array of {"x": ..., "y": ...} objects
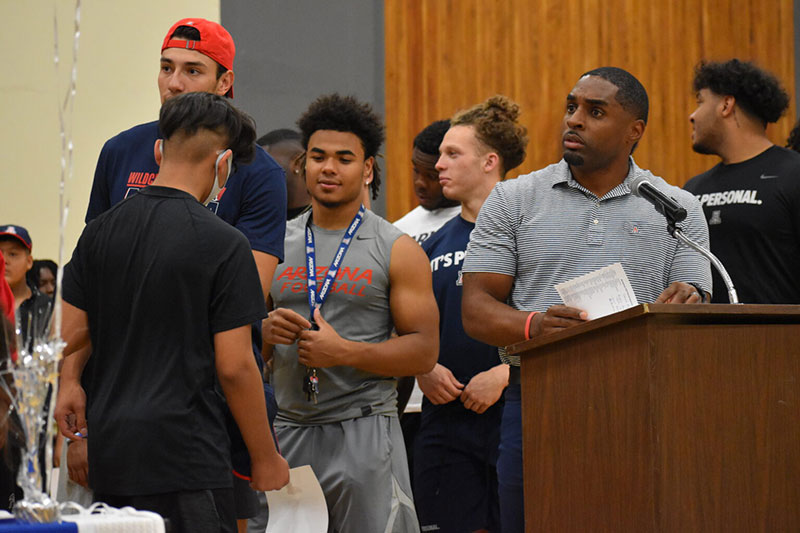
[
  {"x": 299, "y": 506},
  {"x": 599, "y": 293}
]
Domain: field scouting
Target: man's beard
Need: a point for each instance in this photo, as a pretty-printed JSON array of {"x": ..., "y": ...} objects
[
  {"x": 707, "y": 144},
  {"x": 573, "y": 159},
  {"x": 329, "y": 204},
  {"x": 701, "y": 148}
]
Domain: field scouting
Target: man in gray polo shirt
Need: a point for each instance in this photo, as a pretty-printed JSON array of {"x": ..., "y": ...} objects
[{"x": 566, "y": 220}]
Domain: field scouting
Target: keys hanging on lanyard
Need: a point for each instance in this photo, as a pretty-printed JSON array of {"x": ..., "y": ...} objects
[
  {"x": 310, "y": 380},
  {"x": 311, "y": 385},
  {"x": 316, "y": 299}
]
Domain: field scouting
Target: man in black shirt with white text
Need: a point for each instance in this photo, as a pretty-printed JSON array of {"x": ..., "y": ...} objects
[{"x": 751, "y": 199}]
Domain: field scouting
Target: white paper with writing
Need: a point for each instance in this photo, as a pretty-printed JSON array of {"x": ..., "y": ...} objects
[{"x": 599, "y": 293}]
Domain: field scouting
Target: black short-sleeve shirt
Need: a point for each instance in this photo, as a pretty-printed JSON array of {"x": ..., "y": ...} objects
[
  {"x": 158, "y": 275},
  {"x": 753, "y": 214}
]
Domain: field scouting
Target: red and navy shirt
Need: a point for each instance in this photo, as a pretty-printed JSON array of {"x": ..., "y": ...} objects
[{"x": 254, "y": 199}]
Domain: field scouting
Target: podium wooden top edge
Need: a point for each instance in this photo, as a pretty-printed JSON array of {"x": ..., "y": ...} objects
[{"x": 701, "y": 313}]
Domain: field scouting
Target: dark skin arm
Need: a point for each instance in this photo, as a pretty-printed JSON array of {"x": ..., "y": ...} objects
[
  {"x": 489, "y": 319},
  {"x": 415, "y": 316}
]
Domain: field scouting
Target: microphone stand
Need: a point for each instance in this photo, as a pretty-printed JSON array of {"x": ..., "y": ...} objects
[{"x": 676, "y": 232}]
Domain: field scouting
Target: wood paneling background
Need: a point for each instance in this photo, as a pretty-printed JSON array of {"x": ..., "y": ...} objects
[{"x": 445, "y": 55}]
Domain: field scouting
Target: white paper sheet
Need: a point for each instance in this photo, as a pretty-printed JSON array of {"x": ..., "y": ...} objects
[
  {"x": 300, "y": 506},
  {"x": 599, "y": 293}
]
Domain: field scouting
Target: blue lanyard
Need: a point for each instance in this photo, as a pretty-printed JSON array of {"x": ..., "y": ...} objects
[{"x": 316, "y": 299}]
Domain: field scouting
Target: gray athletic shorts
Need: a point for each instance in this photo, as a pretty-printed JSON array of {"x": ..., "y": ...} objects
[{"x": 361, "y": 465}]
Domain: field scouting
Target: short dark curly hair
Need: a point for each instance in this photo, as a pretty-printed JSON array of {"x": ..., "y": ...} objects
[
  {"x": 428, "y": 140},
  {"x": 345, "y": 113},
  {"x": 496, "y": 125},
  {"x": 631, "y": 94},
  {"x": 757, "y": 92}
]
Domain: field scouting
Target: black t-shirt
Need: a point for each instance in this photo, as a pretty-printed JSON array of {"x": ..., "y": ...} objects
[
  {"x": 753, "y": 214},
  {"x": 158, "y": 275}
]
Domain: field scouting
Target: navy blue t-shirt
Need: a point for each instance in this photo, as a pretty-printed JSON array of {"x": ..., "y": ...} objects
[
  {"x": 463, "y": 355},
  {"x": 254, "y": 201}
]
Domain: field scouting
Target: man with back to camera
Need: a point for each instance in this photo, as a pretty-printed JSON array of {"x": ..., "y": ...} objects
[
  {"x": 198, "y": 55},
  {"x": 190, "y": 290},
  {"x": 455, "y": 478},
  {"x": 334, "y": 354},
  {"x": 434, "y": 208},
  {"x": 285, "y": 148},
  {"x": 751, "y": 198},
  {"x": 582, "y": 204}
]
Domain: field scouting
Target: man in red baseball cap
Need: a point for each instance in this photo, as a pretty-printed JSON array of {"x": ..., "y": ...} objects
[{"x": 197, "y": 55}]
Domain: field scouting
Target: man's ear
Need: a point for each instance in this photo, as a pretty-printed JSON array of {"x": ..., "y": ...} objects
[
  {"x": 727, "y": 105},
  {"x": 636, "y": 131},
  {"x": 368, "y": 163},
  {"x": 224, "y": 164},
  {"x": 158, "y": 151},
  {"x": 296, "y": 164},
  {"x": 491, "y": 161},
  {"x": 224, "y": 83}
]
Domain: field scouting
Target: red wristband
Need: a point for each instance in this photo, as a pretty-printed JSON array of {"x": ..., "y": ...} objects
[{"x": 528, "y": 325}]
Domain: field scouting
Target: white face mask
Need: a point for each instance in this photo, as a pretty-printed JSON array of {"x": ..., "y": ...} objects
[{"x": 215, "y": 189}]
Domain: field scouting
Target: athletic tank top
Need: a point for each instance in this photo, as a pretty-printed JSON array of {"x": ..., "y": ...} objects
[{"x": 357, "y": 307}]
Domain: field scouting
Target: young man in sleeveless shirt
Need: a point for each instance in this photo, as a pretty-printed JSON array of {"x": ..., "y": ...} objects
[{"x": 333, "y": 367}]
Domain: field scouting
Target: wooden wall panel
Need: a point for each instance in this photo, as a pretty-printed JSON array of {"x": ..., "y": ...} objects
[{"x": 445, "y": 55}]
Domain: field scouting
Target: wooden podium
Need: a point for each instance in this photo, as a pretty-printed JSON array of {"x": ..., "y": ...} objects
[{"x": 665, "y": 418}]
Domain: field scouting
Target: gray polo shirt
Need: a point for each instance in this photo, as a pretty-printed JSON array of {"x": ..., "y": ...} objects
[{"x": 544, "y": 228}]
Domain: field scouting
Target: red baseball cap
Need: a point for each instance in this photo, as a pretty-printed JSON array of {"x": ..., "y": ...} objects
[{"x": 215, "y": 42}]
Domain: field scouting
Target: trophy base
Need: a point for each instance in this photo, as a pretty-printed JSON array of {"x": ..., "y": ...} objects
[{"x": 38, "y": 512}]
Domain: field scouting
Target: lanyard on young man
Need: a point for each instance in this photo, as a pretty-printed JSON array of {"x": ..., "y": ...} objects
[{"x": 317, "y": 298}]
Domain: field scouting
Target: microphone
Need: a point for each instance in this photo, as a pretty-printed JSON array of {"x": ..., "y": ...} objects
[
  {"x": 641, "y": 187},
  {"x": 674, "y": 212}
]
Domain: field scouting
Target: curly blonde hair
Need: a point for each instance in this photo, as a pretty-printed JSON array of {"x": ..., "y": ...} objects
[{"x": 497, "y": 127}]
